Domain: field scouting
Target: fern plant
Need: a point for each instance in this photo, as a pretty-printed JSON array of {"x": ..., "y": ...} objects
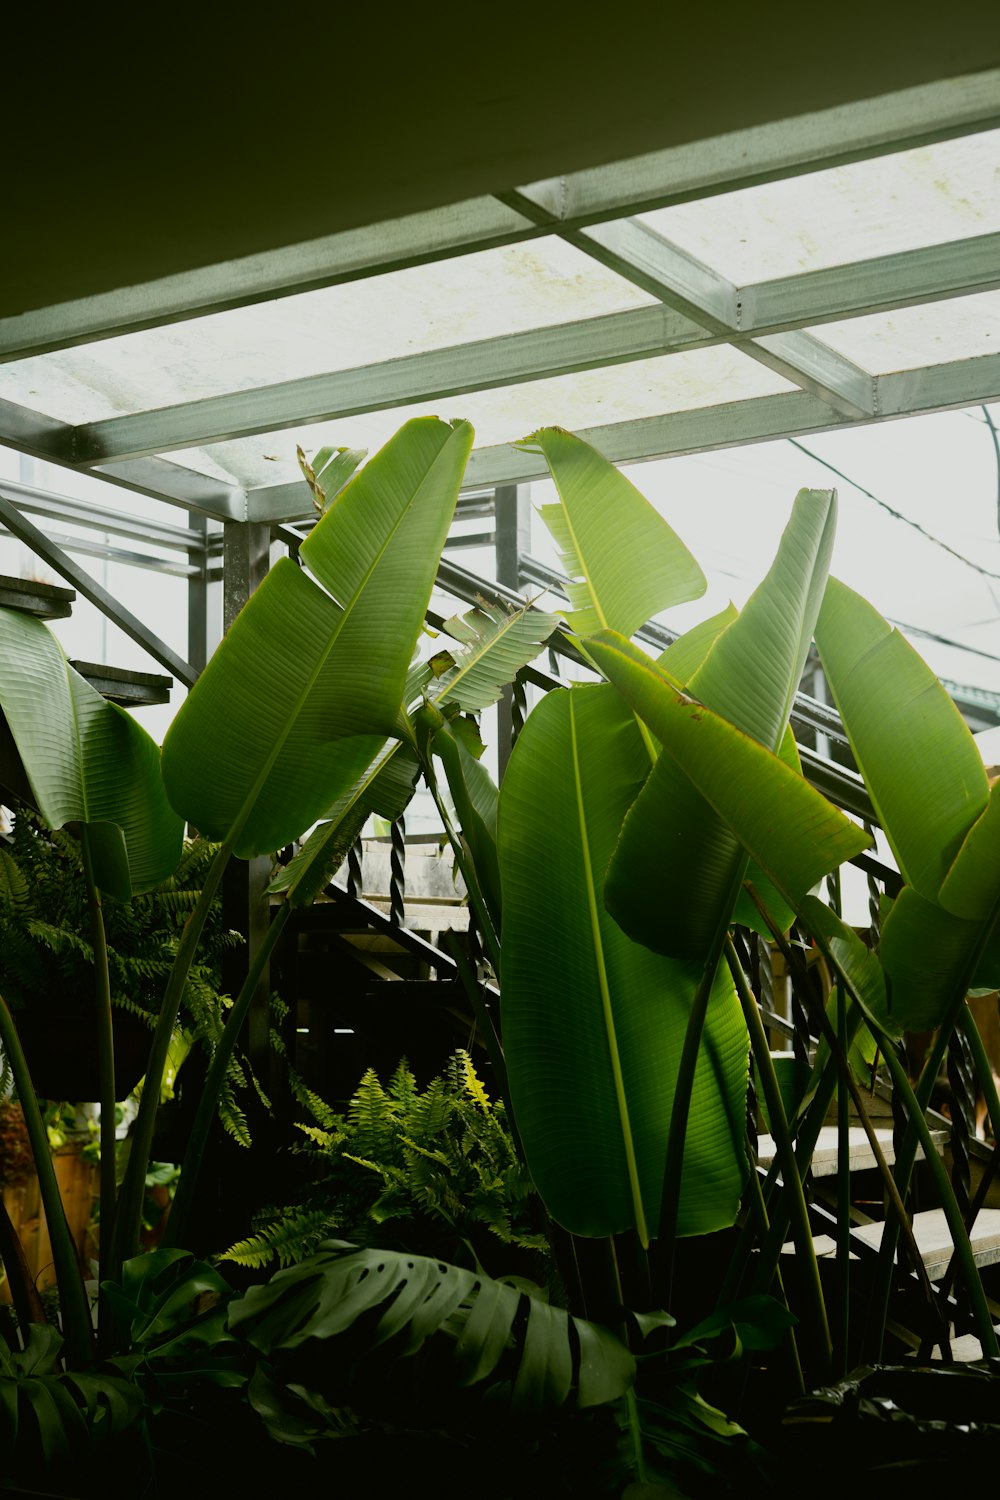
[
  {"x": 46, "y": 955},
  {"x": 429, "y": 1170}
]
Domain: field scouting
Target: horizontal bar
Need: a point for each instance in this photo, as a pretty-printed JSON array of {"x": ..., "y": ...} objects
[
  {"x": 434, "y": 375},
  {"x": 719, "y": 164},
  {"x": 879, "y": 284},
  {"x": 39, "y": 502},
  {"x": 475, "y": 224},
  {"x": 705, "y": 428},
  {"x": 767, "y": 153}
]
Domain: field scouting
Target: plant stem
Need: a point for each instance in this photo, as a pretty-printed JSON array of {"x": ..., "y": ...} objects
[
  {"x": 801, "y": 1229},
  {"x": 72, "y": 1293},
  {"x": 23, "y": 1292},
  {"x": 129, "y": 1216},
  {"x": 483, "y": 919},
  {"x": 759, "y": 1210},
  {"x": 952, "y": 1212},
  {"x": 105, "y": 1058},
  {"x": 180, "y": 1211}
]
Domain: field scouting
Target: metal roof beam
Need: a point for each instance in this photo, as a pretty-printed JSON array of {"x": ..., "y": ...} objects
[
  {"x": 765, "y": 153},
  {"x": 698, "y": 292},
  {"x": 963, "y": 382},
  {"x": 854, "y": 290},
  {"x": 476, "y": 224},
  {"x": 758, "y": 311},
  {"x": 434, "y": 375}
]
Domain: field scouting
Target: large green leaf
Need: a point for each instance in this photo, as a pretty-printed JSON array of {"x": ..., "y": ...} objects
[
  {"x": 494, "y": 1328},
  {"x": 474, "y": 794},
  {"x": 593, "y": 1024},
  {"x": 926, "y": 953},
  {"x": 856, "y": 963},
  {"x": 681, "y": 660},
  {"x": 971, "y": 887},
  {"x": 625, "y": 561},
  {"x": 764, "y": 808},
  {"x": 679, "y": 862},
  {"x": 921, "y": 766},
  {"x": 87, "y": 761},
  {"x": 274, "y": 730},
  {"x": 495, "y": 644}
]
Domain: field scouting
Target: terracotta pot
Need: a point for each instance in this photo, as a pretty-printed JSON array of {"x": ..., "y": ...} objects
[{"x": 60, "y": 1047}]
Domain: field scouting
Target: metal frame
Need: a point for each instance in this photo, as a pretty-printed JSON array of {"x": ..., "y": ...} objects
[{"x": 594, "y": 210}]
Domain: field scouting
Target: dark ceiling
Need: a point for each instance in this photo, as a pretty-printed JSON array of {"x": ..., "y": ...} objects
[{"x": 210, "y": 136}]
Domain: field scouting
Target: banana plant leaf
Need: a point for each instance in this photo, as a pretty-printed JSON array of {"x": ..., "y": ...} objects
[
  {"x": 330, "y": 472},
  {"x": 927, "y": 955},
  {"x": 495, "y": 644},
  {"x": 927, "y": 781},
  {"x": 87, "y": 761},
  {"x": 921, "y": 766},
  {"x": 275, "y": 729},
  {"x": 475, "y": 797},
  {"x": 626, "y": 562},
  {"x": 748, "y": 676},
  {"x": 593, "y": 1023},
  {"x": 495, "y": 1329},
  {"x": 741, "y": 783},
  {"x": 681, "y": 660}
]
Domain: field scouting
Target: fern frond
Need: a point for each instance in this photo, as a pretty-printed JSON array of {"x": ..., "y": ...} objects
[{"x": 287, "y": 1239}]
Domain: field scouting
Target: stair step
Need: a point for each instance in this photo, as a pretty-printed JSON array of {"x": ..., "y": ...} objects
[
  {"x": 861, "y": 1157},
  {"x": 930, "y": 1230},
  {"x": 47, "y": 601},
  {"x": 125, "y": 687}
]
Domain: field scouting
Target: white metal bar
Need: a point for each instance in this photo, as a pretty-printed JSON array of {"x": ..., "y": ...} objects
[
  {"x": 765, "y": 153},
  {"x": 475, "y": 224}
]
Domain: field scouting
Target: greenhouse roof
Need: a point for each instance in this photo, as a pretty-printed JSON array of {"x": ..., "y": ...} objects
[{"x": 797, "y": 276}]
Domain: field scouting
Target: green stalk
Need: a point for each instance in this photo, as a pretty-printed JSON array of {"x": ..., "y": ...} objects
[
  {"x": 491, "y": 1038},
  {"x": 843, "y": 1192},
  {"x": 758, "y": 1210},
  {"x": 956, "y": 1224},
  {"x": 72, "y": 1293},
  {"x": 129, "y": 1217},
  {"x": 984, "y": 1068},
  {"x": 194, "y": 1152},
  {"x": 105, "y": 1057},
  {"x": 785, "y": 1152},
  {"x": 906, "y": 1155},
  {"x": 673, "y": 1167},
  {"x": 483, "y": 919}
]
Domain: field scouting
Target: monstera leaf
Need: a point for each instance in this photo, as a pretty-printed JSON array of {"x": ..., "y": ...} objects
[{"x": 364, "y": 1300}]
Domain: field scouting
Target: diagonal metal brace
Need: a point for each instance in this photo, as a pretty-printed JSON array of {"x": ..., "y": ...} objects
[{"x": 25, "y": 531}]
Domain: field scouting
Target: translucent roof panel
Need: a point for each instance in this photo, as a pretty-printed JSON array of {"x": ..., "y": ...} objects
[
  {"x": 961, "y": 328},
  {"x": 476, "y": 296},
  {"x": 590, "y": 398},
  {"x": 947, "y": 191}
]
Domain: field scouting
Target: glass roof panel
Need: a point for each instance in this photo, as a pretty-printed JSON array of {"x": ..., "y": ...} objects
[
  {"x": 961, "y": 328},
  {"x": 591, "y": 398},
  {"x": 947, "y": 191},
  {"x": 458, "y": 301}
]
